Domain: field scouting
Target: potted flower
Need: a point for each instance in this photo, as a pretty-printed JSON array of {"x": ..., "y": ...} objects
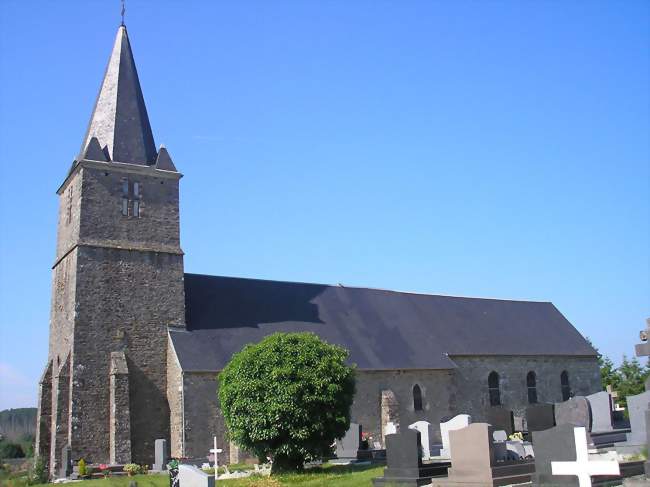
[
  {"x": 132, "y": 469},
  {"x": 365, "y": 441}
]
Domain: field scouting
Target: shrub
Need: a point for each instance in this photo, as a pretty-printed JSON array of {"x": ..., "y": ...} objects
[
  {"x": 132, "y": 469},
  {"x": 288, "y": 397},
  {"x": 38, "y": 473},
  {"x": 83, "y": 470},
  {"x": 11, "y": 450}
]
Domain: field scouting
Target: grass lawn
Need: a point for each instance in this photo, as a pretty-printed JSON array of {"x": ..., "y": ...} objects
[{"x": 330, "y": 476}]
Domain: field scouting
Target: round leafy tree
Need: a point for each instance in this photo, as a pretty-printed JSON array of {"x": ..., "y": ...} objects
[{"x": 287, "y": 397}]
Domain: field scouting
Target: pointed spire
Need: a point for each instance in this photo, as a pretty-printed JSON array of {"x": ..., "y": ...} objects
[
  {"x": 164, "y": 160},
  {"x": 119, "y": 120}
]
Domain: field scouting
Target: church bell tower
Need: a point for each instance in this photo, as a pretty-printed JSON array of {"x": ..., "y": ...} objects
[{"x": 117, "y": 285}]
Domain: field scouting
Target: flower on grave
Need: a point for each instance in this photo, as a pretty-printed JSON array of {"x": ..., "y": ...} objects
[
  {"x": 173, "y": 464},
  {"x": 132, "y": 469},
  {"x": 105, "y": 469},
  {"x": 517, "y": 435},
  {"x": 366, "y": 438}
]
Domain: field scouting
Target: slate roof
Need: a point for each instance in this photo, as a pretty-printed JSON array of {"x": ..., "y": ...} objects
[
  {"x": 381, "y": 329},
  {"x": 119, "y": 120}
]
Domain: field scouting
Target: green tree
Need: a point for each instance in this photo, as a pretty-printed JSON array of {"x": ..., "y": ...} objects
[
  {"x": 631, "y": 376},
  {"x": 287, "y": 397},
  {"x": 11, "y": 450}
]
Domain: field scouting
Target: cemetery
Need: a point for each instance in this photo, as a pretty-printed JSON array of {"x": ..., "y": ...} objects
[{"x": 158, "y": 377}]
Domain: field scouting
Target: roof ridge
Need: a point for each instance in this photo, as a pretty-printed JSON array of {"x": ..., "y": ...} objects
[{"x": 396, "y": 291}]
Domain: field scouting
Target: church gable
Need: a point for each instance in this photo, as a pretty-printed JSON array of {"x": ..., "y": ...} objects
[{"x": 383, "y": 330}]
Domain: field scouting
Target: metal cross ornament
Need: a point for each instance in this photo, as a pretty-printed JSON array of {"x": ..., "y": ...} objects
[
  {"x": 582, "y": 467},
  {"x": 123, "y": 10}
]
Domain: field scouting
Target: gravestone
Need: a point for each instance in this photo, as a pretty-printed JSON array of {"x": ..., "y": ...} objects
[
  {"x": 601, "y": 411},
  {"x": 553, "y": 445},
  {"x": 563, "y": 458},
  {"x": 348, "y": 446},
  {"x": 457, "y": 422},
  {"x": 643, "y": 350},
  {"x": 66, "y": 462},
  {"x": 474, "y": 460},
  {"x": 637, "y": 407},
  {"x": 501, "y": 419},
  {"x": 423, "y": 428},
  {"x": 540, "y": 417},
  {"x": 500, "y": 435},
  {"x": 404, "y": 467},
  {"x": 161, "y": 455},
  {"x": 576, "y": 412},
  {"x": 191, "y": 476}
]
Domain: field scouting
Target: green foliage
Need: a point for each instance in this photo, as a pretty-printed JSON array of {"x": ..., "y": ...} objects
[
  {"x": 631, "y": 376},
  {"x": 38, "y": 473},
  {"x": 83, "y": 470},
  {"x": 288, "y": 397},
  {"x": 11, "y": 450},
  {"x": 628, "y": 379},
  {"x": 132, "y": 468}
]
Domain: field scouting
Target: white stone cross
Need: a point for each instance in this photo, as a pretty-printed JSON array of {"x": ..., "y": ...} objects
[
  {"x": 582, "y": 467},
  {"x": 216, "y": 451}
]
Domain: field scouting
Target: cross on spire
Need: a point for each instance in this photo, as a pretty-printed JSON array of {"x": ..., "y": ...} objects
[{"x": 122, "y": 13}]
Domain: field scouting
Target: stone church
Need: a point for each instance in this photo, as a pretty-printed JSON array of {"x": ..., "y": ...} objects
[{"x": 136, "y": 343}]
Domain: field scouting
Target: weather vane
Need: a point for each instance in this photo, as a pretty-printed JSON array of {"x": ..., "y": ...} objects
[{"x": 123, "y": 10}]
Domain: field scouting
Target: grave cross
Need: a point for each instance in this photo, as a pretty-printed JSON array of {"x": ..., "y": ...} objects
[
  {"x": 582, "y": 467},
  {"x": 216, "y": 451}
]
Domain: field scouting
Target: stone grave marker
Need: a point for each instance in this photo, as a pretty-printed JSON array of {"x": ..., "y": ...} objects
[
  {"x": 540, "y": 417},
  {"x": 499, "y": 435},
  {"x": 554, "y": 444},
  {"x": 457, "y": 422},
  {"x": 601, "y": 411},
  {"x": 637, "y": 406},
  {"x": 643, "y": 350},
  {"x": 582, "y": 468},
  {"x": 348, "y": 446},
  {"x": 423, "y": 428},
  {"x": 161, "y": 455},
  {"x": 191, "y": 476},
  {"x": 474, "y": 461},
  {"x": 576, "y": 412},
  {"x": 501, "y": 419},
  {"x": 404, "y": 467},
  {"x": 66, "y": 462}
]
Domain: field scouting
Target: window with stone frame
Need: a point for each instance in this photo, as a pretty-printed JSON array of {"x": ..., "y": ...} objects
[
  {"x": 531, "y": 384},
  {"x": 494, "y": 390},
  {"x": 566, "y": 388},
  {"x": 417, "y": 398},
  {"x": 69, "y": 212},
  {"x": 131, "y": 198}
]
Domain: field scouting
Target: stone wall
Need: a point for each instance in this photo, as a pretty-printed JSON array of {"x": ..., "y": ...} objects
[
  {"x": 471, "y": 381},
  {"x": 175, "y": 401},
  {"x": 120, "y": 411},
  {"x": 203, "y": 418},
  {"x": 445, "y": 393}
]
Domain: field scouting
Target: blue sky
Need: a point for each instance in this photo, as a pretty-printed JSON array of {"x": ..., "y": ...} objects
[{"x": 490, "y": 148}]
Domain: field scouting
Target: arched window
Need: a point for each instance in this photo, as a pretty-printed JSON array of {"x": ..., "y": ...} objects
[
  {"x": 493, "y": 388},
  {"x": 417, "y": 398},
  {"x": 566, "y": 389},
  {"x": 531, "y": 384}
]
